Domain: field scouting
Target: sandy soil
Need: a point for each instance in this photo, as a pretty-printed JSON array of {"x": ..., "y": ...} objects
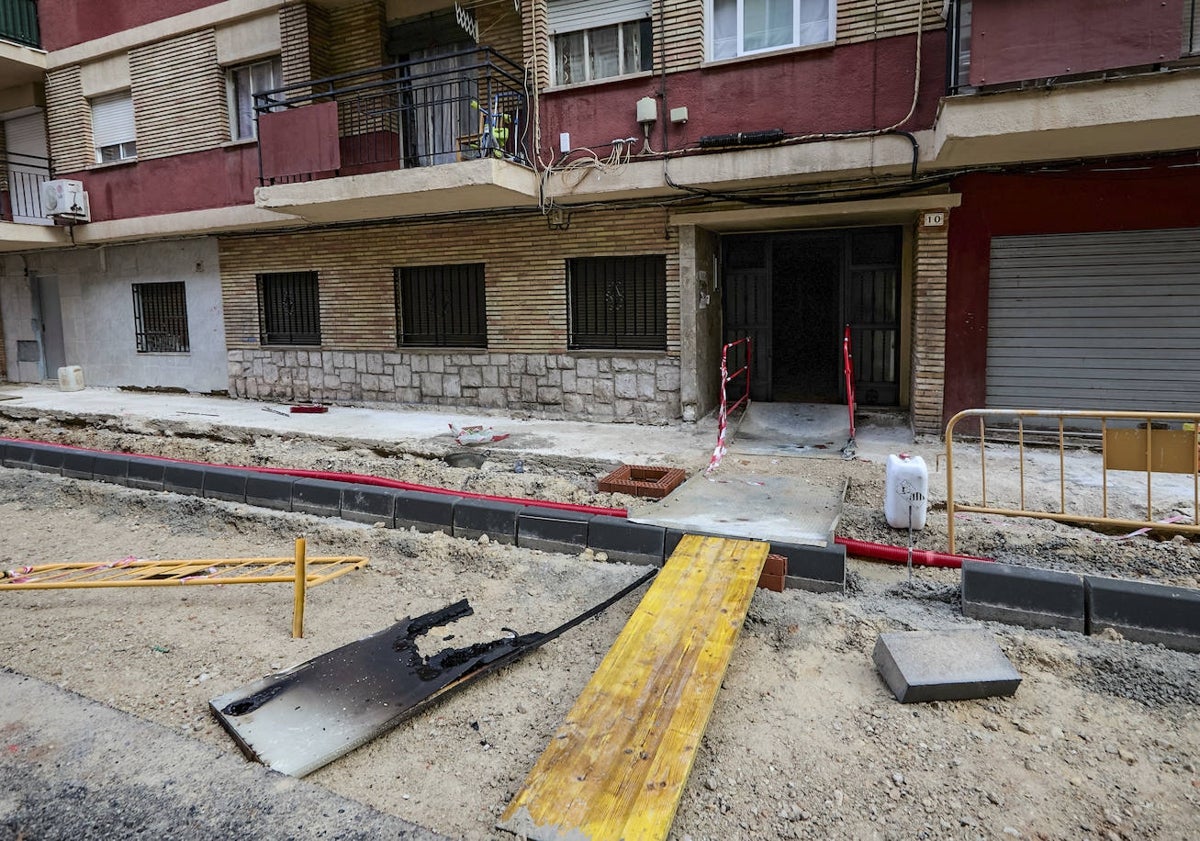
[{"x": 1101, "y": 740}]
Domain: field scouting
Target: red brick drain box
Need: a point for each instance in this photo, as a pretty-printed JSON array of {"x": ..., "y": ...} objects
[{"x": 653, "y": 482}]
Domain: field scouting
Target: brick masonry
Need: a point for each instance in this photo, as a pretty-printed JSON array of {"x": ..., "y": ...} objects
[
  {"x": 554, "y": 385},
  {"x": 929, "y": 329}
]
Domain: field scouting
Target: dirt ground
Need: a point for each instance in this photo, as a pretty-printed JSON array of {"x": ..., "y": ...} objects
[{"x": 1101, "y": 741}]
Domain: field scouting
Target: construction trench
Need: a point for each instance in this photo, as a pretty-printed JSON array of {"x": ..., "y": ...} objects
[{"x": 1098, "y": 741}]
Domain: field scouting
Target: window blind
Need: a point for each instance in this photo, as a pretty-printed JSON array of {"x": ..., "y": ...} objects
[
  {"x": 573, "y": 15},
  {"x": 112, "y": 120}
]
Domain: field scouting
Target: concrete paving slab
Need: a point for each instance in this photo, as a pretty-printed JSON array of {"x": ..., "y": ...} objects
[
  {"x": 775, "y": 509},
  {"x": 943, "y": 666},
  {"x": 815, "y": 430},
  {"x": 76, "y": 769}
]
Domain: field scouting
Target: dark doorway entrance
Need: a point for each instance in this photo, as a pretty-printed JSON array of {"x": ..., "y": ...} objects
[{"x": 793, "y": 293}]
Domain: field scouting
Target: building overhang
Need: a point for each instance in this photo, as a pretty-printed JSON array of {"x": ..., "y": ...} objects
[
  {"x": 20, "y": 64},
  {"x": 865, "y": 211},
  {"x": 466, "y": 186},
  {"x": 17, "y": 236},
  {"x": 1095, "y": 119},
  {"x": 846, "y": 158}
]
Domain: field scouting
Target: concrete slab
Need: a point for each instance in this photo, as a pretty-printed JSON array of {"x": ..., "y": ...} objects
[
  {"x": 129, "y": 778},
  {"x": 944, "y": 666},
  {"x": 775, "y": 509},
  {"x": 816, "y": 430}
]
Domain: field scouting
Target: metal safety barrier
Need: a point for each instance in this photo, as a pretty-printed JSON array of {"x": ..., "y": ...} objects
[{"x": 1140, "y": 442}]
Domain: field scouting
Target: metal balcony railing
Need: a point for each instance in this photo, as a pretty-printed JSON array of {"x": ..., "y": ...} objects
[
  {"x": 21, "y": 179},
  {"x": 19, "y": 22},
  {"x": 437, "y": 110}
]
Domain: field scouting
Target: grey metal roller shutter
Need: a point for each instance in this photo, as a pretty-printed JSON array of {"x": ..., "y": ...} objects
[
  {"x": 1095, "y": 321},
  {"x": 573, "y": 15}
]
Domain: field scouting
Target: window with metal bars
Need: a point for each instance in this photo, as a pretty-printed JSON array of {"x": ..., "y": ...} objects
[
  {"x": 441, "y": 306},
  {"x": 617, "y": 303},
  {"x": 289, "y": 308},
  {"x": 160, "y": 317}
]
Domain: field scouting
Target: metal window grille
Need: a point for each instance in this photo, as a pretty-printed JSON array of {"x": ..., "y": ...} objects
[
  {"x": 441, "y": 306},
  {"x": 160, "y": 317},
  {"x": 289, "y": 308},
  {"x": 618, "y": 302}
]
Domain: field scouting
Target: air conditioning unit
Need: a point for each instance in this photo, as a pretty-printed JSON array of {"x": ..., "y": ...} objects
[{"x": 65, "y": 201}]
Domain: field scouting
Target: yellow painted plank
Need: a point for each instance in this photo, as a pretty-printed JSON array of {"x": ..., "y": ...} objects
[{"x": 616, "y": 768}]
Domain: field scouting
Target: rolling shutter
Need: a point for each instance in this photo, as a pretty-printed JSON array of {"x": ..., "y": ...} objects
[
  {"x": 573, "y": 15},
  {"x": 1107, "y": 321},
  {"x": 112, "y": 120}
]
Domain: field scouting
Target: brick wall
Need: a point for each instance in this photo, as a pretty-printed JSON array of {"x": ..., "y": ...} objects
[
  {"x": 179, "y": 102},
  {"x": 526, "y": 311},
  {"x": 68, "y": 120},
  {"x": 929, "y": 329},
  {"x": 865, "y": 20},
  {"x": 357, "y": 36},
  {"x": 500, "y": 27},
  {"x": 304, "y": 32}
]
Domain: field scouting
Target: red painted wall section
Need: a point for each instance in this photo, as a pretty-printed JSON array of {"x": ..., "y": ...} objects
[
  {"x": 1013, "y": 40},
  {"x": 65, "y": 23},
  {"x": 1160, "y": 195},
  {"x": 847, "y": 88},
  {"x": 215, "y": 178},
  {"x": 300, "y": 140}
]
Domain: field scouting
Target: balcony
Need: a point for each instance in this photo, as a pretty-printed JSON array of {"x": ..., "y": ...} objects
[
  {"x": 443, "y": 134},
  {"x": 22, "y": 223},
  {"x": 1058, "y": 79},
  {"x": 21, "y": 58}
]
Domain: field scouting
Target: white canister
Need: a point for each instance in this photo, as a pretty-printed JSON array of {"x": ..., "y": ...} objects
[
  {"x": 70, "y": 378},
  {"x": 907, "y": 491}
]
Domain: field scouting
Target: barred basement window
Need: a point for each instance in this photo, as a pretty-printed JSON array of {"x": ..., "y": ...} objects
[
  {"x": 289, "y": 309},
  {"x": 160, "y": 317},
  {"x": 441, "y": 306},
  {"x": 617, "y": 303}
]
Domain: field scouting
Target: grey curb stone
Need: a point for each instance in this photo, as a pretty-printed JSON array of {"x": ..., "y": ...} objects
[
  {"x": 225, "y": 483},
  {"x": 77, "y": 464},
  {"x": 1017, "y": 595},
  {"x": 551, "y": 530},
  {"x": 320, "y": 497},
  {"x": 47, "y": 459},
  {"x": 269, "y": 490},
  {"x": 111, "y": 468},
  {"x": 18, "y": 454},
  {"x": 943, "y": 666},
  {"x": 476, "y": 517},
  {"x": 146, "y": 473},
  {"x": 369, "y": 504},
  {"x": 185, "y": 479},
  {"x": 819, "y": 569},
  {"x": 1153, "y": 613},
  {"x": 634, "y": 543},
  {"x": 425, "y": 511}
]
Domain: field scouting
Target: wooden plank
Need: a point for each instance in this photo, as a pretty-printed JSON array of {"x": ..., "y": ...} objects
[{"x": 617, "y": 767}]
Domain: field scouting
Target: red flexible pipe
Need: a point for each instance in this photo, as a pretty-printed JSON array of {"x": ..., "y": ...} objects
[
  {"x": 357, "y": 478},
  {"x": 899, "y": 554}
]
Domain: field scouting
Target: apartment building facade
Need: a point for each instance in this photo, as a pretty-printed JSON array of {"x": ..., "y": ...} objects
[{"x": 569, "y": 208}]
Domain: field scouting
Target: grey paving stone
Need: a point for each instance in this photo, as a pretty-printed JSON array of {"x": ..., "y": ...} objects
[
  {"x": 943, "y": 666},
  {"x": 1018, "y": 595},
  {"x": 1153, "y": 613}
]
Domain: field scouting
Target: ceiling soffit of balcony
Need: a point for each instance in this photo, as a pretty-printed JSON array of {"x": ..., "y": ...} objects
[
  {"x": 16, "y": 236},
  {"x": 20, "y": 65},
  {"x": 480, "y": 185},
  {"x": 1115, "y": 117}
]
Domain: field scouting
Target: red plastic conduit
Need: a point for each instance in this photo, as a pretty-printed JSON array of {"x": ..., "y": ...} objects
[
  {"x": 356, "y": 478},
  {"x": 899, "y": 554}
]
